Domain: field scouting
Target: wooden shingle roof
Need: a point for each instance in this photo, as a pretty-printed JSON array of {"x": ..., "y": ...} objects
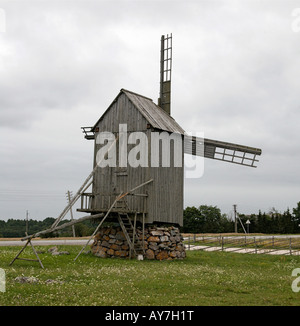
[{"x": 154, "y": 114}]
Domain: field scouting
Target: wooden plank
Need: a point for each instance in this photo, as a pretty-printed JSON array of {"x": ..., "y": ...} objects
[
  {"x": 80, "y": 191},
  {"x": 28, "y": 259},
  {"x": 19, "y": 253},
  {"x": 98, "y": 227},
  {"x": 33, "y": 249},
  {"x": 62, "y": 226},
  {"x": 37, "y": 256}
]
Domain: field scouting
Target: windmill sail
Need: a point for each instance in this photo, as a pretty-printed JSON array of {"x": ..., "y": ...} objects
[
  {"x": 222, "y": 151},
  {"x": 164, "y": 100}
]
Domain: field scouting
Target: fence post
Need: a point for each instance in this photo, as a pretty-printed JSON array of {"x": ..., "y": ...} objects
[
  {"x": 290, "y": 245},
  {"x": 222, "y": 243},
  {"x": 255, "y": 245}
]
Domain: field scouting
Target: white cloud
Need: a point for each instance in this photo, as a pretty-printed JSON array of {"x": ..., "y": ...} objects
[{"x": 235, "y": 78}]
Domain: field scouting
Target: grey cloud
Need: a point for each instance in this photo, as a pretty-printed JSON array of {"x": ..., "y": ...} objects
[{"x": 235, "y": 77}]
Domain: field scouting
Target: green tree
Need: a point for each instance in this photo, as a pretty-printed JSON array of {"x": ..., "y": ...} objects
[
  {"x": 212, "y": 218},
  {"x": 296, "y": 218},
  {"x": 192, "y": 220}
]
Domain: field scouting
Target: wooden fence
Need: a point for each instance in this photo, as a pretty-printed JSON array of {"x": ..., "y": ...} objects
[{"x": 277, "y": 245}]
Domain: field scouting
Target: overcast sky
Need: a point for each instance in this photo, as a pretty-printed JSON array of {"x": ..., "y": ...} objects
[{"x": 235, "y": 77}]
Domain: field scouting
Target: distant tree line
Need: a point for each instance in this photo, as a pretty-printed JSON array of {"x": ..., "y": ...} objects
[
  {"x": 209, "y": 219},
  {"x": 15, "y": 228},
  {"x": 204, "y": 219}
]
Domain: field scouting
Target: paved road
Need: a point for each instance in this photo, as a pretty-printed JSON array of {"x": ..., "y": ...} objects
[{"x": 46, "y": 242}]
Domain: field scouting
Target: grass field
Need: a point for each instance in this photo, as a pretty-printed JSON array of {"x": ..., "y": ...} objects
[{"x": 202, "y": 279}]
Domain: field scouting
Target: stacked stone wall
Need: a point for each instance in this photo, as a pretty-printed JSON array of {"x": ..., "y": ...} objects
[{"x": 159, "y": 243}]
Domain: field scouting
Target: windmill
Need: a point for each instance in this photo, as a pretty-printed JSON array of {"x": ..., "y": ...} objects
[
  {"x": 149, "y": 191},
  {"x": 161, "y": 200}
]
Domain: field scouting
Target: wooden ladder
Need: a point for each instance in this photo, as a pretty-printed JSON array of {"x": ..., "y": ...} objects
[{"x": 129, "y": 230}]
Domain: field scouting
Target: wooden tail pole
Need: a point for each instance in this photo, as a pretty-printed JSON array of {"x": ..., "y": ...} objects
[
  {"x": 65, "y": 225},
  {"x": 30, "y": 237}
]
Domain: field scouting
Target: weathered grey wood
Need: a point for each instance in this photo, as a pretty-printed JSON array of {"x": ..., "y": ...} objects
[
  {"x": 62, "y": 226},
  {"x": 28, "y": 259},
  {"x": 99, "y": 225},
  {"x": 71, "y": 212},
  {"x": 134, "y": 229},
  {"x": 130, "y": 244},
  {"x": 37, "y": 256},
  {"x": 33, "y": 249},
  {"x": 143, "y": 222},
  {"x": 19, "y": 253},
  {"x": 223, "y": 151},
  {"x": 164, "y": 200},
  {"x": 84, "y": 186},
  {"x": 136, "y": 188},
  {"x": 74, "y": 199}
]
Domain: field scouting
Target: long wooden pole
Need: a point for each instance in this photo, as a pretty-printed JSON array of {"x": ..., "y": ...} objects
[
  {"x": 20, "y": 252},
  {"x": 36, "y": 255},
  {"x": 71, "y": 212},
  {"x": 81, "y": 189},
  {"x": 62, "y": 226},
  {"x": 134, "y": 189}
]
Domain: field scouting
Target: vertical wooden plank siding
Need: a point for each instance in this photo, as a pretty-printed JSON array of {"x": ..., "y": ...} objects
[{"x": 165, "y": 194}]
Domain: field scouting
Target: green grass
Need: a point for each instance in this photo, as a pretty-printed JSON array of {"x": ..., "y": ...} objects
[{"x": 203, "y": 278}]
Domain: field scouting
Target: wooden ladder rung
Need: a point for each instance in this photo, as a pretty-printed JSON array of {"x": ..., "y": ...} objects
[{"x": 28, "y": 259}]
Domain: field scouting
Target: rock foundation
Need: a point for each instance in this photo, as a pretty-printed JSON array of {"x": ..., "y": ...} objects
[{"x": 159, "y": 243}]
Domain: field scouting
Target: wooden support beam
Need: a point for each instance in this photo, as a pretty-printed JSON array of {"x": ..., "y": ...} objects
[
  {"x": 84, "y": 186},
  {"x": 62, "y": 226},
  {"x": 134, "y": 189},
  {"x": 98, "y": 227},
  {"x": 33, "y": 249}
]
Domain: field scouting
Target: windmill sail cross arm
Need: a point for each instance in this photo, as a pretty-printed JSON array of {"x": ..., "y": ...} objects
[{"x": 222, "y": 151}]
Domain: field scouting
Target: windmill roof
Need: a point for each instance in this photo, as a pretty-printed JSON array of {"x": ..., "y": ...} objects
[{"x": 154, "y": 114}]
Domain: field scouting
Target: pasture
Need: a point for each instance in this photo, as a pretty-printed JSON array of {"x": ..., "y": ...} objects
[{"x": 202, "y": 279}]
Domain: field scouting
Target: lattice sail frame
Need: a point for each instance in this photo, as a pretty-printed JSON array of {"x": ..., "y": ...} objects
[
  {"x": 164, "y": 100},
  {"x": 222, "y": 151}
]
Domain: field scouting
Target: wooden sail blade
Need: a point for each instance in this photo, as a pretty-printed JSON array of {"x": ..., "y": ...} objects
[{"x": 222, "y": 151}]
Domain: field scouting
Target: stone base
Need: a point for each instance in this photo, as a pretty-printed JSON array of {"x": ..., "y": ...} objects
[{"x": 159, "y": 243}]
